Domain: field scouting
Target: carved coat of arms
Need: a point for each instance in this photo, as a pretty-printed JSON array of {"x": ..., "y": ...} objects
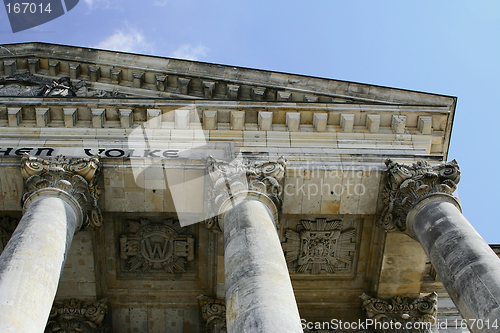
[
  {"x": 319, "y": 246},
  {"x": 155, "y": 247}
]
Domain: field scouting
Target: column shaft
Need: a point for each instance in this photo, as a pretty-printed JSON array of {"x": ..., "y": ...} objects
[
  {"x": 468, "y": 268},
  {"x": 32, "y": 262},
  {"x": 259, "y": 294}
]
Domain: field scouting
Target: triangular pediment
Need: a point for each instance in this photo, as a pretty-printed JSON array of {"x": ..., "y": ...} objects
[{"x": 99, "y": 73}]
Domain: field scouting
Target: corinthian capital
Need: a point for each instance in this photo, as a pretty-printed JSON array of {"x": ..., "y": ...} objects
[
  {"x": 77, "y": 178},
  {"x": 243, "y": 178},
  {"x": 74, "y": 315},
  {"x": 412, "y": 314},
  {"x": 407, "y": 185}
]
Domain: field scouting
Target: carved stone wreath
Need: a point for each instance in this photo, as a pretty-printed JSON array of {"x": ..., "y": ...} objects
[
  {"x": 151, "y": 247},
  {"x": 319, "y": 246}
]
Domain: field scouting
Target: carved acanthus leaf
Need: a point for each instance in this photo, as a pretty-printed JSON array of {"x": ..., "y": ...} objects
[
  {"x": 407, "y": 185},
  {"x": 320, "y": 246},
  {"x": 241, "y": 175},
  {"x": 155, "y": 247},
  {"x": 214, "y": 314},
  {"x": 402, "y": 310},
  {"x": 76, "y": 177},
  {"x": 74, "y": 315}
]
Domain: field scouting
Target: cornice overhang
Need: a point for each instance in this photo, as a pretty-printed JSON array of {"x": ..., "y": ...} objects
[{"x": 152, "y": 76}]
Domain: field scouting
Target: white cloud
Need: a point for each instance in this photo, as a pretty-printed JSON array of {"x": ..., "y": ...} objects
[
  {"x": 189, "y": 52},
  {"x": 156, "y": 3},
  {"x": 130, "y": 40},
  {"x": 93, "y": 3}
]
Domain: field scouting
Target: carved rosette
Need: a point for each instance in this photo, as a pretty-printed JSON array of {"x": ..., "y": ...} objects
[
  {"x": 74, "y": 315},
  {"x": 76, "y": 177},
  {"x": 155, "y": 247},
  {"x": 402, "y": 310},
  {"x": 214, "y": 314},
  {"x": 241, "y": 177},
  {"x": 408, "y": 185},
  {"x": 320, "y": 246}
]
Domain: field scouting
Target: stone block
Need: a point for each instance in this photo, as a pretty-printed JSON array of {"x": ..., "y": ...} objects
[
  {"x": 116, "y": 75},
  {"x": 254, "y": 138},
  {"x": 74, "y": 70},
  {"x": 283, "y": 96},
  {"x": 265, "y": 121},
  {"x": 293, "y": 121},
  {"x": 154, "y": 118},
  {"x": 208, "y": 89},
  {"x": 278, "y": 139},
  {"x": 15, "y": 116},
  {"x": 161, "y": 82},
  {"x": 181, "y": 119},
  {"x": 237, "y": 120},
  {"x": 373, "y": 123},
  {"x": 125, "y": 118},
  {"x": 424, "y": 124},
  {"x": 98, "y": 118},
  {"x": 232, "y": 91},
  {"x": 398, "y": 124},
  {"x": 209, "y": 120},
  {"x": 42, "y": 117},
  {"x": 34, "y": 65},
  {"x": 54, "y": 67},
  {"x": 95, "y": 73},
  {"x": 138, "y": 79},
  {"x": 10, "y": 67},
  {"x": 347, "y": 122},
  {"x": 319, "y": 121}
]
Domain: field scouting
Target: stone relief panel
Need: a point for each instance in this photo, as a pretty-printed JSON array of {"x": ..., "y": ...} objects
[
  {"x": 155, "y": 248},
  {"x": 321, "y": 246},
  {"x": 74, "y": 315}
]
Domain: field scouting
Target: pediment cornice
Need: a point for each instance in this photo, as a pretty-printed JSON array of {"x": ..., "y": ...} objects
[{"x": 133, "y": 75}]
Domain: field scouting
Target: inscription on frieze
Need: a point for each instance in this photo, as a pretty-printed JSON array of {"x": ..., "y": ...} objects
[
  {"x": 320, "y": 246},
  {"x": 155, "y": 247}
]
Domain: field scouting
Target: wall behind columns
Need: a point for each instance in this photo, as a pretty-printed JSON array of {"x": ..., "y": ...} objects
[
  {"x": 403, "y": 265},
  {"x": 78, "y": 279}
]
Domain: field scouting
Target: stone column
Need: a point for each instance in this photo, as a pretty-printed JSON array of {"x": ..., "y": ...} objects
[
  {"x": 259, "y": 294},
  {"x": 61, "y": 197},
  {"x": 420, "y": 203}
]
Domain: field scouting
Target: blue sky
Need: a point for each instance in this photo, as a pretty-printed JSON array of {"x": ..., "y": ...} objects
[{"x": 444, "y": 47}]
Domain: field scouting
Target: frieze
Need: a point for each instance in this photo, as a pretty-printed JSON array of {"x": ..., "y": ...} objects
[
  {"x": 155, "y": 247},
  {"x": 408, "y": 184},
  {"x": 74, "y": 315},
  {"x": 320, "y": 246},
  {"x": 213, "y": 312},
  {"x": 403, "y": 310}
]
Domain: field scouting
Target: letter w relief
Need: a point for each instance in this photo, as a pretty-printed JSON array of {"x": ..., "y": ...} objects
[{"x": 157, "y": 250}]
